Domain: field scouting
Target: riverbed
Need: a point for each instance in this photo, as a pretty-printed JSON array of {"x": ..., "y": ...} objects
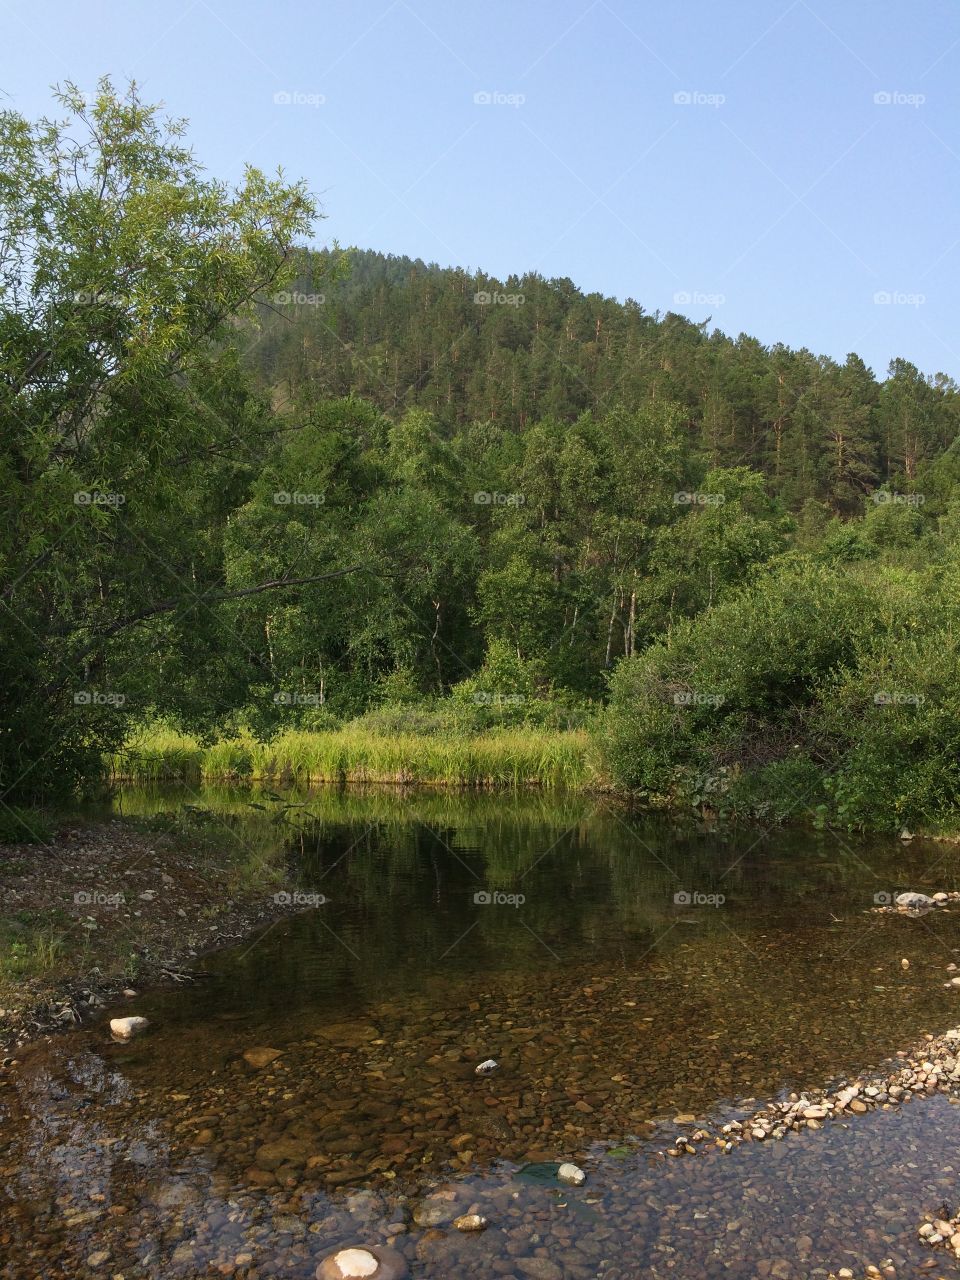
[{"x": 631, "y": 977}]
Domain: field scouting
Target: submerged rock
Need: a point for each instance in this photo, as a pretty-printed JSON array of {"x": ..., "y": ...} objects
[
  {"x": 127, "y": 1028},
  {"x": 488, "y": 1067},
  {"x": 435, "y": 1210},
  {"x": 261, "y": 1057},
  {"x": 361, "y": 1261},
  {"x": 572, "y": 1174},
  {"x": 470, "y": 1222}
]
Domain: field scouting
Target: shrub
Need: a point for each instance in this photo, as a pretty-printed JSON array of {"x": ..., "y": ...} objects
[{"x": 24, "y": 826}]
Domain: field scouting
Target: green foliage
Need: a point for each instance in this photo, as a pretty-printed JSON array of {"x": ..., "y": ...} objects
[
  {"x": 126, "y": 428},
  {"x": 24, "y": 826},
  {"x": 411, "y": 536},
  {"x": 820, "y": 691}
]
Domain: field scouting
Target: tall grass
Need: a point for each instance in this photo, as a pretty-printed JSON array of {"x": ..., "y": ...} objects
[{"x": 503, "y": 758}]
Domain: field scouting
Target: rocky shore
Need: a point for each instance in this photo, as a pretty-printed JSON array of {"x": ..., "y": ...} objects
[
  {"x": 110, "y": 909},
  {"x": 932, "y": 1067}
]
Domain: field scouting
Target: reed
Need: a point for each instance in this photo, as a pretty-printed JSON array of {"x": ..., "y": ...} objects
[{"x": 502, "y": 758}]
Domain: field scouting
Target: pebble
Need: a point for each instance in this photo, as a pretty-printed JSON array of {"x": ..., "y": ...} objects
[
  {"x": 470, "y": 1222},
  {"x": 261, "y": 1057},
  {"x": 127, "y": 1028}
]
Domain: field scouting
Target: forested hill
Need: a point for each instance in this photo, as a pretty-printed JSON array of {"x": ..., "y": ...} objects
[{"x": 470, "y": 348}]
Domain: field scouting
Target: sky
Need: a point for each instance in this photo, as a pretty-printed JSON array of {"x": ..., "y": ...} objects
[{"x": 789, "y": 169}]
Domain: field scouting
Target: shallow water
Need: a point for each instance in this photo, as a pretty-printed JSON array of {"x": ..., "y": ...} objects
[{"x": 651, "y": 969}]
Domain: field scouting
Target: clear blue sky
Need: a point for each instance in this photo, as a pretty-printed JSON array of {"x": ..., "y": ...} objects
[{"x": 781, "y": 198}]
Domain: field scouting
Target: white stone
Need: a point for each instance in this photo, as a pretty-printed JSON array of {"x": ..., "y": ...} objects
[
  {"x": 356, "y": 1262},
  {"x": 914, "y": 900},
  {"x": 572, "y": 1174},
  {"x": 488, "y": 1067},
  {"x": 127, "y": 1028}
]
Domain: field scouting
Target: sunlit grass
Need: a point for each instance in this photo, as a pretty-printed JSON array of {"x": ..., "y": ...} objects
[{"x": 503, "y": 758}]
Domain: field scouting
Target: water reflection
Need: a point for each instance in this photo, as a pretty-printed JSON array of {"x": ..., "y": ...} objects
[{"x": 620, "y": 971}]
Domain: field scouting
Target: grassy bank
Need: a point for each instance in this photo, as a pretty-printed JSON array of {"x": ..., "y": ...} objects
[{"x": 503, "y": 758}]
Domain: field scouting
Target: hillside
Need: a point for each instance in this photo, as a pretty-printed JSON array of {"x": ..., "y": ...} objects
[{"x": 403, "y": 334}]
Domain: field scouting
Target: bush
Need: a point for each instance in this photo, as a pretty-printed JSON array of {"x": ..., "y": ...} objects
[
  {"x": 24, "y": 826},
  {"x": 730, "y": 687},
  {"x": 833, "y": 691}
]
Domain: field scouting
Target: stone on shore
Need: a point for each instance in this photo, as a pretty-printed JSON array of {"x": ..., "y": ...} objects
[
  {"x": 914, "y": 901},
  {"x": 127, "y": 1028}
]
